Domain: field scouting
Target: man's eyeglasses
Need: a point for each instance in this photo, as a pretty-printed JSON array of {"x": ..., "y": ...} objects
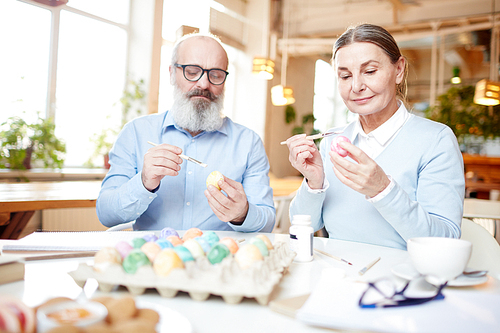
[
  {"x": 384, "y": 294},
  {"x": 194, "y": 73}
]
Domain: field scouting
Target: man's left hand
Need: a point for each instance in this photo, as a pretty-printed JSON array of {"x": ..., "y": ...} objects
[{"x": 234, "y": 207}]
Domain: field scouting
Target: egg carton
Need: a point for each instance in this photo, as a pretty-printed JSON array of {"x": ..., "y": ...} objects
[{"x": 199, "y": 278}]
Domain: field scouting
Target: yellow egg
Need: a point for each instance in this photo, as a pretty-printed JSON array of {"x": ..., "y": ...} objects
[
  {"x": 247, "y": 255},
  {"x": 106, "y": 257},
  {"x": 213, "y": 179},
  {"x": 166, "y": 261}
]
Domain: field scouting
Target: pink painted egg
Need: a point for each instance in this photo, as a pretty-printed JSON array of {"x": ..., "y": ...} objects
[{"x": 335, "y": 145}]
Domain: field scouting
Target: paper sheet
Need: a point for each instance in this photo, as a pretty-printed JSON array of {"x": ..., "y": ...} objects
[
  {"x": 71, "y": 241},
  {"x": 334, "y": 304}
]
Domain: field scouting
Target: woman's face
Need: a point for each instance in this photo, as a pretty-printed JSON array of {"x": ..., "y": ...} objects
[{"x": 367, "y": 79}]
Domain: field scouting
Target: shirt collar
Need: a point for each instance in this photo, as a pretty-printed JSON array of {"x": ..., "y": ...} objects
[
  {"x": 168, "y": 122},
  {"x": 387, "y": 130}
]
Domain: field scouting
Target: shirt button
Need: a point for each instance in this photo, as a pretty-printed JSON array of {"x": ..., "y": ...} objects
[
  {"x": 190, "y": 172},
  {"x": 192, "y": 140},
  {"x": 188, "y": 203}
]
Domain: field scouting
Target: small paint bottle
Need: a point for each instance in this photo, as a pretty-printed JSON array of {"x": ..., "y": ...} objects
[{"x": 301, "y": 238}]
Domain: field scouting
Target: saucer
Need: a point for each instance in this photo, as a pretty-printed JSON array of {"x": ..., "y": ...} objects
[{"x": 408, "y": 272}]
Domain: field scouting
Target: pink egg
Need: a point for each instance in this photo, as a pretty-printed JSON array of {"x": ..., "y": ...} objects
[
  {"x": 124, "y": 248},
  {"x": 335, "y": 145}
]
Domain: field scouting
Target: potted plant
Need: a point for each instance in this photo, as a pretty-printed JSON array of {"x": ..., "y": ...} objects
[
  {"x": 21, "y": 143},
  {"x": 306, "y": 126},
  {"x": 469, "y": 121},
  {"x": 103, "y": 142}
]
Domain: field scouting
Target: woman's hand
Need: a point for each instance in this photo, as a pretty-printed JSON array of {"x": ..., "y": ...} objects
[
  {"x": 305, "y": 157},
  {"x": 365, "y": 176}
]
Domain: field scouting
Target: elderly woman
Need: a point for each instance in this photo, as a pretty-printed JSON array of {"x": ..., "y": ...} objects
[{"x": 403, "y": 175}]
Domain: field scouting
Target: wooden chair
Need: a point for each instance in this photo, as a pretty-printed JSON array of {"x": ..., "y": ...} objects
[
  {"x": 484, "y": 212},
  {"x": 485, "y": 248},
  {"x": 282, "y": 205}
]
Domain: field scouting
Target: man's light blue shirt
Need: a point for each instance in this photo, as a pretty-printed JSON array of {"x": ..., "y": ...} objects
[{"x": 234, "y": 150}]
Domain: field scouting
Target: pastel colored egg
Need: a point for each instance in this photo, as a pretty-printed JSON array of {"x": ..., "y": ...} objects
[
  {"x": 247, "y": 255},
  {"x": 123, "y": 248},
  {"x": 135, "y": 259},
  {"x": 205, "y": 245},
  {"x": 213, "y": 179},
  {"x": 335, "y": 145},
  {"x": 194, "y": 247},
  {"x": 217, "y": 253},
  {"x": 192, "y": 233},
  {"x": 151, "y": 249},
  {"x": 175, "y": 240},
  {"x": 150, "y": 237},
  {"x": 183, "y": 253},
  {"x": 166, "y": 261},
  {"x": 108, "y": 254},
  {"x": 165, "y": 232},
  {"x": 211, "y": 237},
  {"x": 231, "y": 244},
  {"x": 138, "y": 242},
  {"x": 266, "y": 240},
  {"x": 105, "y": 257},
  {"x": 164, "y": 244},
  {"x": 261, "y": 245}
]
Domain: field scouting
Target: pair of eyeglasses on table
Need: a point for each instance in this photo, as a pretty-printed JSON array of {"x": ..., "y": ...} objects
[{"x": 385, "y": 294}]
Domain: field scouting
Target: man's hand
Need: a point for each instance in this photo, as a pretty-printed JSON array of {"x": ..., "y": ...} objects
[
  {"x": 234, "y": 207},
  {"x": 160, "y": 161}
]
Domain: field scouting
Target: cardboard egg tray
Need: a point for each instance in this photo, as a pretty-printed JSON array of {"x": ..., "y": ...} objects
[{"x": 199, "y": 279}]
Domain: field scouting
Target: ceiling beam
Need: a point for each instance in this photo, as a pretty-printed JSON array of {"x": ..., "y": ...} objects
[
  {"x": 319, "y": 46},
  {"x": 396, "y": 6}
]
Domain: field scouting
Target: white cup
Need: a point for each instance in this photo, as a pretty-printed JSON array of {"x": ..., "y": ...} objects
[{"x": 440, "y": 259}]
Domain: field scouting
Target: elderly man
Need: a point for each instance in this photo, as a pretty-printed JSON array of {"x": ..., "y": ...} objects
[{"x": 156, "y": 187}]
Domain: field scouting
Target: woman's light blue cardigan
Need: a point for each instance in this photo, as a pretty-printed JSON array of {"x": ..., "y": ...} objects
[{"x": 426, "y": 164}]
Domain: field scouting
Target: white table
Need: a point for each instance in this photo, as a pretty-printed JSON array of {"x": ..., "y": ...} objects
[{"x": 46, "y": 279}]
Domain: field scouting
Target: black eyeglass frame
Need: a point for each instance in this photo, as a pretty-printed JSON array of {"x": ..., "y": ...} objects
[
  {"x": 398, "y": 298},
  {"x": 203, "y": 70}
]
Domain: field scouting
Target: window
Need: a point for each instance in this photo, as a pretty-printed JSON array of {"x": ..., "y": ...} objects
[
  {"x": 81, "y": 83},
  {"x": 24, "y": 60},
  {"x": 329, "y": 109},
  {"x": 90, "y": 81}
]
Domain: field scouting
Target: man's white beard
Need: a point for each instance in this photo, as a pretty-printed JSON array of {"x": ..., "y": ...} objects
[{"x": 198, "y": 114}]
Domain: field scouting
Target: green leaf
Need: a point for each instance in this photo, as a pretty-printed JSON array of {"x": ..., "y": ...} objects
[
  {"x": 289, "y": 114},
  {"x": 297, "y": 130}
]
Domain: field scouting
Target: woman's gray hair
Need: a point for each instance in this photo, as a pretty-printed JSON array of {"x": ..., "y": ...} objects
[{"x": 377, "y": 35}]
